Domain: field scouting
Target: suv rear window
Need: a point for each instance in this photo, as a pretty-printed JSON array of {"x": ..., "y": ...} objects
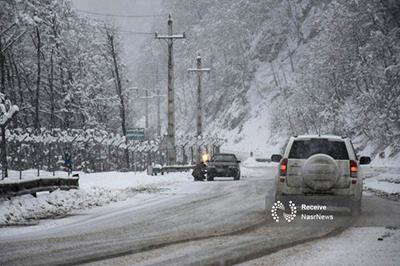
[
  {"x": 302, "y": 149},
  {"x": 224, "y": 158}
]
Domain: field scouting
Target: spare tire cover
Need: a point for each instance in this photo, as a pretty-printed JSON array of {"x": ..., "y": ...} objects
[{"x": 320, "y": 172}]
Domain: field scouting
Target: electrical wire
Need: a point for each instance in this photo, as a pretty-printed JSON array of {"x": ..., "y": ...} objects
[
  {"x": 118, "y": 31},
  {"x": 134, "y": 32},
  {"x": 119, "y": 15}
]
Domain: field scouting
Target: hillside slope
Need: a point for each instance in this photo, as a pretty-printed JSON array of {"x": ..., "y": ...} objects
[{"x": 290, "y": 67}]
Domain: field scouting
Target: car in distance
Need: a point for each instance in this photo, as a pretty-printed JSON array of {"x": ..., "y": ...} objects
[
  {"x": 223, "y": 165},
  {"x": 325, "y": 166}
]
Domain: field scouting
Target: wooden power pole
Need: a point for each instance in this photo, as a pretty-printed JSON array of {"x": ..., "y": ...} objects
[
  {"x": 158, "y": 103},
  {"x": 171, "y": 104},
  {"x": 199, "y": 70},
  {"x": 147, "y": 109}
]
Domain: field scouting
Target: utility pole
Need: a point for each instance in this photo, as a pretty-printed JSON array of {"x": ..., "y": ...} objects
[
  {"x": 158, "y": 114},
  {"x": 146, "y": 103},
  {"x": 171, "y": 104},
  {"x": 199, "y": 70},
  {"x": 158, "y": 102},
  {"x": 147, "y": 109},
  {"x": 147, "y": 97}
]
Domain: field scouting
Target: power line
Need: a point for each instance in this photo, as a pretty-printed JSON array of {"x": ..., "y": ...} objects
[
  {"x": 118, "y": 31},
  {"x": 134, "y": 32},
  {"x": 119, "y": 15}
]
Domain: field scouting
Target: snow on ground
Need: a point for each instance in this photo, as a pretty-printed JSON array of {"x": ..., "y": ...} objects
[
  {"x": 376, "y": 184},
  {"x": 256, "y": 134},
  {"x": 252, "y": 167},
  {"x": 257, "y": 162},
  {"x": 355, "y": 246},
  {"x": 384, "y": 182},
  {"x": 96, "y": 189},
  {"x": 385, "y": 158}
]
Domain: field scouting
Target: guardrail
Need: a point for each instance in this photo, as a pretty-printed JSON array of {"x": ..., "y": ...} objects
[
  {"x": 33, "y": 186},
  {"x": 167, "y": 169}
]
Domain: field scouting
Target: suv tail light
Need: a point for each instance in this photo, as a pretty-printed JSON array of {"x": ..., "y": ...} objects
[
  {"x": 283, "y": 167},
  {"x": 353, "y": 171}
]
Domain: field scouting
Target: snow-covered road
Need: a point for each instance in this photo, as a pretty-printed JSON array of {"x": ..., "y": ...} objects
[
  {"x": 193, "y": 222},
  {"x": 189, "y": 210}
]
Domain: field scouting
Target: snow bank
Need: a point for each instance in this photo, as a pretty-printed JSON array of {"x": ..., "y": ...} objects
[
  {"x": 96, "y": 189},
  {"x": 384, "y": 158},
  {"x": 258, "y": 162},
  {"x": 252, "y": 167},
  {"x": 25, "y": 209},
  {"x": 386, "y": 184}
]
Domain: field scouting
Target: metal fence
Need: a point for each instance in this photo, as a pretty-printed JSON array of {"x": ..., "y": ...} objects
[{"x": 96, "y": 150}]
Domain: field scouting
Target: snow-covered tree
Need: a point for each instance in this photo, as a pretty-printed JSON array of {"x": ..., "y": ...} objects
[{"x": 7, "y": 112}]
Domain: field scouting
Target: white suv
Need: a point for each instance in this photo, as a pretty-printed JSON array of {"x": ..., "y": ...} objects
[{"x": 326, "y": 166}]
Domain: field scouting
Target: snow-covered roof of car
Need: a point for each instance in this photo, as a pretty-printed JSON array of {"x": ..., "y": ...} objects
[{"x": 331, "y": 137}]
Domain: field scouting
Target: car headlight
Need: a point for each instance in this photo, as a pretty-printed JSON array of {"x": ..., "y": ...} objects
[{"x": 205, "y": 157}]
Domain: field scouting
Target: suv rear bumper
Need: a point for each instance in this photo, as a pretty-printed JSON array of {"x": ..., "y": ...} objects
[{"x": 353, "y": 191}]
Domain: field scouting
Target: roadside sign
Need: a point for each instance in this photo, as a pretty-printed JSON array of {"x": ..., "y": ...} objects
[{"x": 135, "y": 134}]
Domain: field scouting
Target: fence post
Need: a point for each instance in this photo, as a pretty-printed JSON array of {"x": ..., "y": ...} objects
[
  {"x": 191, "y": 154},
  {"x": 37, "y": 159},
  {"x": 19, "y": 160}
]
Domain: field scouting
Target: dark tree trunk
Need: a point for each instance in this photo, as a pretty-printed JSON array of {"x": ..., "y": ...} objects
[
  {"x": 51, "y": 87},
  {"x": 36, "y": 121},
  {"x": 2, "y": 70},
  {"x": 4, "y": 162},
  {"x": 2, "y": 128},
  {"x": 118, "y": 87}
]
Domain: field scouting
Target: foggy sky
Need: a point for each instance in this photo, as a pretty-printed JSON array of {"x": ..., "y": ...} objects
[{"x": 131, "y": 42}]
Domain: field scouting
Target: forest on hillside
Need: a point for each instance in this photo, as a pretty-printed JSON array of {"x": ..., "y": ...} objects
[
  {"x": 59, "y": 68},
  {"x": 62, "y": 87},
  {"x": 335, "y": 64}
]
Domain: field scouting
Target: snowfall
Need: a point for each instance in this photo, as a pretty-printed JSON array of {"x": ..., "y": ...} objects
[
  {"x": 99, "y": 189},
  {"x": 100, "y": 192},
  {"x": 96, "y": 189}
]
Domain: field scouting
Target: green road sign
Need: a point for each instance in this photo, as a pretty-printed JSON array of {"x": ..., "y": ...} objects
[{"x": 135, "y": 134}]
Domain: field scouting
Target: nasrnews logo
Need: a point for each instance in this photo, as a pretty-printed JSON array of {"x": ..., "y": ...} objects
[
  {"x": 288, "y": 216},
  {"x": 290, "y": 213}
]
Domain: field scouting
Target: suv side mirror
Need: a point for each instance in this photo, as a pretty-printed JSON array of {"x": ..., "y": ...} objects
[
  {"x": 238, "y": 161},
  {"x": 365, "y": 160},
  {"x": 276, "y": 158}
]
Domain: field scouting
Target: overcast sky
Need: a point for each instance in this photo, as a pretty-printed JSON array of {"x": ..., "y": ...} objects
[{"x": 131, "y": 42}]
